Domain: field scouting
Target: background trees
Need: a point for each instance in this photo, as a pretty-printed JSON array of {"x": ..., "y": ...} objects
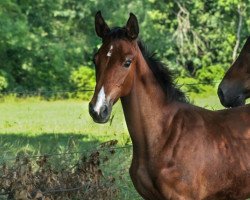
[{"x": 47, "y": 45}]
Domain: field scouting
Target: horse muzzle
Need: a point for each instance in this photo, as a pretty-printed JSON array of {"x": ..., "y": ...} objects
[
  {"x": 231, "y": 96},
  {"x": 101, "y": 115}
]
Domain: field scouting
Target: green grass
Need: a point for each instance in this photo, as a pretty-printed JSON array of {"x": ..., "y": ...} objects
[
  {"x": 33, "y": 126},
  {"x": 209, "y": 102},
  {"x": 43, "y": 127}
]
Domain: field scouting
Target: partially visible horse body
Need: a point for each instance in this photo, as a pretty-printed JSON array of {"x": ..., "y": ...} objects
[
  {"x": 180, "y": 151},
  {"x": 234, "y": 88}
]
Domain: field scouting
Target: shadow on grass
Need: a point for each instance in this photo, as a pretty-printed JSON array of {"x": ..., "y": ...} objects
[{"x": 12, "y": 144}]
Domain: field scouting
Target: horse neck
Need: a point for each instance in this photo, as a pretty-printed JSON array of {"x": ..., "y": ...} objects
[{"x": 144, "y": 108}]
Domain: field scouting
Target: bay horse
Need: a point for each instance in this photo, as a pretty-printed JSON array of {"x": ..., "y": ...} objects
[
  {"x": 180, "y": 151},
  {"x": 234, "y": 88}
]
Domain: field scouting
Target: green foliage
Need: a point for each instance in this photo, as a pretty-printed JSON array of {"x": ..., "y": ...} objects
[
  {"x": 43, "y": 42},
  {"x": 210, "y": 73},
  {"x": 206, "y": 82},
  {"x": 3, "y": 83},
  {"x": 3, "y": 80},
  {"x": 83, "y": 79}
]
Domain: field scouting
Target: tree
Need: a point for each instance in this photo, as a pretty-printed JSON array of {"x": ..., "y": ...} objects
[{"x": 42, "y": 42}]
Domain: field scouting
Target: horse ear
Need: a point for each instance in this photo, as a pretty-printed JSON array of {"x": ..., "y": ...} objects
[
  {"x": 101, "y": 27},
  {"x": 132, "y": 26}
]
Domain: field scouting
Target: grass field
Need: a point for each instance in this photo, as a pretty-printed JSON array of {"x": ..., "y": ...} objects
[{"x": 33, "y": 126}]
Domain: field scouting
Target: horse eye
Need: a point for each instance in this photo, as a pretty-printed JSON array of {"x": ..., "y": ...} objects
[{"x": 127, "y": 63}]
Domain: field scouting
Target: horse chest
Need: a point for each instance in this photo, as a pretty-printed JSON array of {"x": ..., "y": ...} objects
[
  {"x": 154, "y": 183},
  {"x": 144, "y": 182}
]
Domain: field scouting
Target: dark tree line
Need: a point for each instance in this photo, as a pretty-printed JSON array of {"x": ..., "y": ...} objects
[{"x": 48, "y": 45}]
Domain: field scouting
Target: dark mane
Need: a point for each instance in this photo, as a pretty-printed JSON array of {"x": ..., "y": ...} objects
[
  {"x": 163, "y": 75},
  {"x": 160, "y": 71},
  {"x": 117, "y": 33}
]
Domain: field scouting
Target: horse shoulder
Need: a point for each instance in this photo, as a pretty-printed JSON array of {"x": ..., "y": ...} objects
[{"x": 181, "y": 157}]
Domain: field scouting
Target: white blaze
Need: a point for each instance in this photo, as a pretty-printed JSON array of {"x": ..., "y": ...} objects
[
  {"x": 100, "y": 100},
  {"x": 110, "y": 51}
]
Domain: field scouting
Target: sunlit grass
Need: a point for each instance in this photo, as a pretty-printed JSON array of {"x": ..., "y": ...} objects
[
  {"x": 211, "y": 102},
  {"x": 42, "y": 126}
]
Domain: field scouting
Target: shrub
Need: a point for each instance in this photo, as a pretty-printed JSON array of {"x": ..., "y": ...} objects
[
  {"x": 83, "y": 80},
  {"x": 3, "y": 82},
  {"x": 204, "y": 83}
]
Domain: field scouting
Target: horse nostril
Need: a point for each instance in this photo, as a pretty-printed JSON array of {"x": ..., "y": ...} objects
[{"x": 104, "y": 111}]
